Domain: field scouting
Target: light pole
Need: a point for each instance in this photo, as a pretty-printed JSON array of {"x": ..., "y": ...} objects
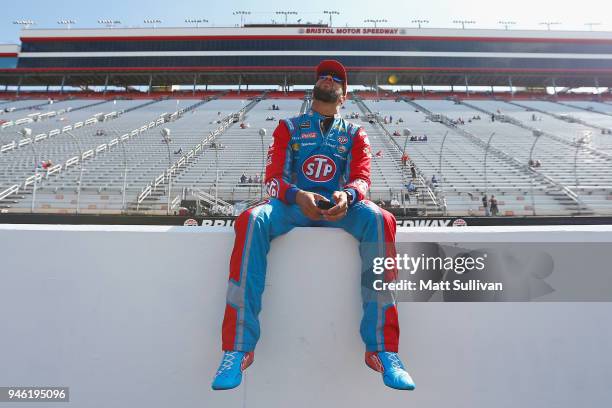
[
  {"x": 125, "y": 169},
  {"x": 506, "y": 23},
  {"x": 68, "y": 23},
  {"x": 153, "y": 21},
  {"x": 407, "y": 133},
  {"x": 375, "y": 21},
  {"x": 536, "y": 133},
  {"x": 419, "y": 22},
  {"x": 549, "y": 23},
  {"x": 331, "y": 13},
  {"x": 241, "y": 13},
  {"x": 286, "y": 14},
  {"x": 27, "y": 132},
  {"x": 25, "y": 23},
  {"x": 80, "y": 169},
  {"x": 165, "y": 132},
  {"x": 440, "y": 160},
  {"x": 485, "y": 163},
  {"x": 196, "y": 21},
  {"x": 463, "y": 23},
  {"x": 591, "y": 25}
]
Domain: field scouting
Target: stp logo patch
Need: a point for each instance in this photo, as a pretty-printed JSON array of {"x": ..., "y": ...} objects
[
  {"x": 272, "y": 188},
  {"x": 343, "y": 140},
  {"x": 319, "y": 168}
]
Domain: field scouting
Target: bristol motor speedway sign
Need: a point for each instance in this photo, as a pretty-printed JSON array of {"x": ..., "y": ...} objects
[{"x": 424, "y": 222}]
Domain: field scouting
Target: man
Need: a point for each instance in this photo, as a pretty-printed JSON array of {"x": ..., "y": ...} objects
[
  {"x": 485, "y": 205},
  {"x": 315, "y": 159}
]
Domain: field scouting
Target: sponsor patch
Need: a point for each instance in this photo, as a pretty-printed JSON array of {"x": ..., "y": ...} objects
[
  {"x": 343, "y": 140},
  {"x": 319, "y": 168},
  {"x": 305, "y": 125},
  {"x": 190, "y": 223},
  {"x": 341, "y": 149},
  {"x": 295, "y": 147},
  {"x": 272, "y": 188},
  {"x": 309, "y": 135}
]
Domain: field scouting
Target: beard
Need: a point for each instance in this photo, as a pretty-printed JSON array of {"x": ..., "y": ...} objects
[{"x": 330, "y": 96}]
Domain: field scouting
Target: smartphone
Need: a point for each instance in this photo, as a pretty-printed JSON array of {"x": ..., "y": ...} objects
[{"x": 325, "y": 205}]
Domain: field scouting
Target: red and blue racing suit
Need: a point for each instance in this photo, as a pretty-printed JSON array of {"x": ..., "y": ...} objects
[{"x": 304, "y": 156}]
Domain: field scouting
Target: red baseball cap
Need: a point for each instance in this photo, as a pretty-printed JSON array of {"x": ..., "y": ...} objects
[{"x": 337, "y": 68}]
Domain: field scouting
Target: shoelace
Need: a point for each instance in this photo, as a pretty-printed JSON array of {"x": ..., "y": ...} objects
[
  {"x": 395, "y": 361},
  {"x": 228, "y": 361}
]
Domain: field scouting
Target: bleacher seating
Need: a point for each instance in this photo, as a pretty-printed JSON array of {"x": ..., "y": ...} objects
[{"x": 217, "y": 170}]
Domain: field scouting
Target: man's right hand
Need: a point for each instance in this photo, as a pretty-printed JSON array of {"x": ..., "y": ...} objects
[{"x": 307, "y": 202}]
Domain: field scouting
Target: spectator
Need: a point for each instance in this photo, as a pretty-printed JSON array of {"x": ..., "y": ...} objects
[
  {"x": 405, "y": 159},
  {"x": 256, "y": 179},
  {"x": 434, "y": 181},
  {"x": 531, "y": 163},
  {"x": 179, "y": 151},
  {"x": 250, "y": 180},
  {"x": 396, "y": 133},
  {"x": 538, "y": 163},
  {"x": 485, "y": 204},
  {"x": 243, "y": 178},
  {"x": 390, "y": 119},
  {"x": 394, "y": 203},
  {"x": 411, "y": 187},
  {"x": 413, "y": 171},
  {"x": 494, "y": 209},
  {"x": 424, "y": 138},
  {"x": 379, "y": 153}
]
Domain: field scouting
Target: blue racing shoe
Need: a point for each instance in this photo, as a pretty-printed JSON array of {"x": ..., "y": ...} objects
[
  {"x": 393, "y": 372},
  {"x": 229, "y": 374}
]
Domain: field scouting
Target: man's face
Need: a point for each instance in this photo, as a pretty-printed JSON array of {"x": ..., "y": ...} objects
[{"x": 327, "y": 90}]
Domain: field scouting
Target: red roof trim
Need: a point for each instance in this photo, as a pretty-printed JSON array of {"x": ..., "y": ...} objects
[{"x": 308, "y": 68}]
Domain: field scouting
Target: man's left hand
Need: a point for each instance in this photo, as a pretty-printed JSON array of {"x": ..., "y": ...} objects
[{"x": 337, "y": 212}]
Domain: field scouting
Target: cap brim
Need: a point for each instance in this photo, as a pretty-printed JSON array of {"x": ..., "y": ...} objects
[{"x": 335, "y": 67}]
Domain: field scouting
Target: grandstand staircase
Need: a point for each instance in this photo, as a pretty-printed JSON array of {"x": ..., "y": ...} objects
[
  {"x": 565, "y": 118},
  {"x": 516, "y": 122},
  {"x": 430, "y": 204},
  {"x": 92, "y": 105},
  {"x": 569, "y": 105},
  {"x": 144, "y": 105},
  {"x": 182, "y": 164},
  {"x": 559, "y": 192}
]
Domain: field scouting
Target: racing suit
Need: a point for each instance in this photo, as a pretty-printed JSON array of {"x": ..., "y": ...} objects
[{"x": 305, "y": 156}]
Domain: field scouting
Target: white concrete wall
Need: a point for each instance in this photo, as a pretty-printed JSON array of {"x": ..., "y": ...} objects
[{"x": 131, "y": 317}]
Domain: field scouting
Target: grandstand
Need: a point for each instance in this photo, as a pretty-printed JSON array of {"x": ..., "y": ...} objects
[{"x": 115, "y": 138}]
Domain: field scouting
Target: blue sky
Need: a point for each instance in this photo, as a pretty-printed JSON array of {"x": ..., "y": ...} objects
[{"x": 526, "y": 13}]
